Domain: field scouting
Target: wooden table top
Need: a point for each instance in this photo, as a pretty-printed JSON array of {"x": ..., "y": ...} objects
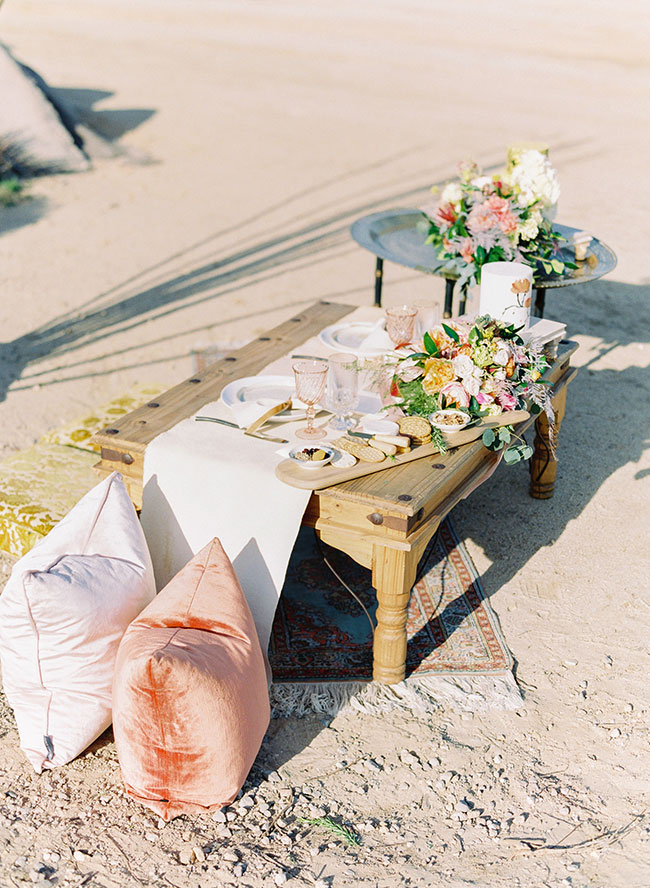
[{"x": 401, "y": 489}]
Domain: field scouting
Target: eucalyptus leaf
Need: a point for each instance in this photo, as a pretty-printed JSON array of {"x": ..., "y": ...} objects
[
  {"x": 511, "y": 456},
  {"x": 488, "y": 437}
]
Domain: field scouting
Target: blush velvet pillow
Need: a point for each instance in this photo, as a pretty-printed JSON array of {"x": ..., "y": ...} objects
[
  {"x": 62, "y": 616},
  {"x": 190, "y": 697}
]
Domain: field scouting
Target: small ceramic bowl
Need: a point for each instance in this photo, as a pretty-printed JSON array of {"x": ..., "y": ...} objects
[
  {"x": 303, "y": 456},
  {"x": 449, "y": 420}
]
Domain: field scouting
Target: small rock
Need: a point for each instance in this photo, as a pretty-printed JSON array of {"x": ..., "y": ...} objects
[
  {"x": 628, "y": 708},
  {"x": 185, "y": 856},
  {"x": 274, "y": 777},
  {"x": 446, "y": 776},
  {"x": 81, "y": 855},
  {"x": 408, "y": 758},
  {"x": 219, "y": 817},
  {"x": 565, "y": 810},
  {"x": 608, "y": 661},
  {"x": 583, "y": 684},
  {"x": 247, "y": 802},
  {"x": 463, "y": 807},
  {"x": 230, "y": 816},
  {"x": 230, "y": 856},
  {"x": 161, "y": 824},
  {"x": 20, "y": 861},
  {"x": 223, "y": 832},
  {"x": 372, "y": 765},
  {"x": 151, "y": 837},
  {"x": 279, "y": 878},
  {"x": 497, "y": 759},
  {"x": 316, "y": 812},
  {"x": 434, "y": 762},
  {"x": 199, "y": 853},
  {"x": 614, "y": 733},
  {"x": 238, "y": 870}
]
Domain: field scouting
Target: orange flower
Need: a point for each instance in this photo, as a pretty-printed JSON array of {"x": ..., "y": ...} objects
[
  {"x": 437, "y": 373},
  {"x": 510, "y": 368}
]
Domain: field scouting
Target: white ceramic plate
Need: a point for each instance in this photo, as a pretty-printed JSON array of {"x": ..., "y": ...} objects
[
  {"x": 264, "y": 391},
  {"x": 347, "y": 337},
  {"x": 269, "y": 390}
]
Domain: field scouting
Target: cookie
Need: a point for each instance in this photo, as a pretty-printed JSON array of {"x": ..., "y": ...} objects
[
  {"x": 360, "y": 450},
  {"x": 414, "y": 426}
]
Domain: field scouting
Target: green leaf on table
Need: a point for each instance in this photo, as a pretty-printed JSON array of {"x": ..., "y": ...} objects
[
  {"x": 451, "y": 333},
  {"x": 503, "y": 434},
  {"x": 511, "y": 456}
]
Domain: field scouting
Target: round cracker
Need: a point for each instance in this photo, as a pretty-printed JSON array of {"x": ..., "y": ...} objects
[
  {"x": 360, "y": 450},
  {"x": 414, "y": 426}
]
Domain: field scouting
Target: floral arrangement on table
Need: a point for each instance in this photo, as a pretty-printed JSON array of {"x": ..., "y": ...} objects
[
  {"x": 482, "y": 368},
  {"x": 504, "y": 217}
]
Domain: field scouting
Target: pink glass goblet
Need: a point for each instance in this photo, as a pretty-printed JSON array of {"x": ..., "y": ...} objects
[
  {"x": 310, "y": 377},
  {"x": 400, "y": 323}
]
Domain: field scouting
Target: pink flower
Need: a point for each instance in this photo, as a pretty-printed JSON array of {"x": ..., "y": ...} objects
[
  {"x": 467, "y": 249},
  {"x": 455, "y": 393},
  {"x": 499, "y": 205},
  {"x": 507, "y": 401},
  {"x": 508, "y": 223},
  {"x": 481, "y": 218},
  {"x": 484, "y": 398}
]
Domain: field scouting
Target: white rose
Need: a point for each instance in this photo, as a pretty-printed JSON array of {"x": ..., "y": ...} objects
[
  {"x": 463, "y": 366},
  {"x": 452, "y": 193},
  {"x": 481, "y": 181},
  {"x": 501, "y": 356}
]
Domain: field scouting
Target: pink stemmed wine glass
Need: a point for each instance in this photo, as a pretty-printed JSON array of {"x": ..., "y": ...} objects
[
  {"x": 400, "y": 323},
  {"x": 310, "y": 379}
]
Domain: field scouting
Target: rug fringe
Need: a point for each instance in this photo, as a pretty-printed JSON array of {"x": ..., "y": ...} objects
[{"x": 416, "y": 696}]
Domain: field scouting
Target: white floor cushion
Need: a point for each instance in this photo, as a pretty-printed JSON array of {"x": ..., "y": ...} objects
[{"x": 62, "y": 616}]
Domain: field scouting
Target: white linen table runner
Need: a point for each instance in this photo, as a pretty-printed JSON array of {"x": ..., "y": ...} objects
[{"x": 203, "y": 480}]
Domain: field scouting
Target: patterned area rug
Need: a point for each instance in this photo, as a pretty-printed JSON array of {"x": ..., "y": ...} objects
[{"x": 321, "y": 636}]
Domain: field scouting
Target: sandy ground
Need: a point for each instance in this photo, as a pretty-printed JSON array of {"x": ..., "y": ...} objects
[{"x": 269, "y": 127}]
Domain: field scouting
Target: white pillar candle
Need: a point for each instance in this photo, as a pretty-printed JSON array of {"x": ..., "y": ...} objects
[{"x": 506, "y": 291}]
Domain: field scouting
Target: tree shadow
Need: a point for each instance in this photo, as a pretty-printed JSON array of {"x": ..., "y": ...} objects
[
  {"x": 79, "y": 105},
  {"x": 28, "y": 211}
]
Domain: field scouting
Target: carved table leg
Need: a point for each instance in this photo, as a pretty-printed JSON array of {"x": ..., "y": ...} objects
[
  {"x": 393, "y": 576},
  {"x": 543, "y": 465}
]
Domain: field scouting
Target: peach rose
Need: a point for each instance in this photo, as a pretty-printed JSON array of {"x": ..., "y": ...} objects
[{"x": 437, "y": 373}]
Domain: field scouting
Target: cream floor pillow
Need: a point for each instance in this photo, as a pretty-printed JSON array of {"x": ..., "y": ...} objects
[{"x": 62, "y": 615}]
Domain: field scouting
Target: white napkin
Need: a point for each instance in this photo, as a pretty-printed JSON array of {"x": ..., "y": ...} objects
[{"x": 377, "y": 340}]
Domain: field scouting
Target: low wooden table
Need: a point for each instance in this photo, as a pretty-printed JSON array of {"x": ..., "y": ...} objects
[{"x": 384, "y": 520}]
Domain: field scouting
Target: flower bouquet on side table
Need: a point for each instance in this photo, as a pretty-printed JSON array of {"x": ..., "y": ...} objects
[
  {"x": 480, "y": 368},
  {"x": 504, "y": 217}
]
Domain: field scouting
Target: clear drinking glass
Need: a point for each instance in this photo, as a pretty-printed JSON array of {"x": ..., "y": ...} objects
[
  {"x": 310, "y": 377},
  {"x": 429, "y": 316},
  {"x": 342, "y": 389},
  {"x": 400, "y": 323}
]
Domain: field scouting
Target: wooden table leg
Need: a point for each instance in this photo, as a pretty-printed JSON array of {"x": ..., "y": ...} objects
[
  {"x": 393, "y": 576},
  {"x": 543, "y": 464}
]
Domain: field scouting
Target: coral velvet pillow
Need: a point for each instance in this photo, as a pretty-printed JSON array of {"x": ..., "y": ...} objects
[
  {"x": 190, "y": 697},
  {"x": 63, "y": 613}
]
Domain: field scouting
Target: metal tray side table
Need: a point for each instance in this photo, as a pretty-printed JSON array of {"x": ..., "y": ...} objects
[{"x": 394, "y": 235}]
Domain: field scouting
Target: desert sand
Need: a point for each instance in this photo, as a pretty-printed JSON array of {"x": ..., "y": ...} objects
[{"x": 254, "y": 134}]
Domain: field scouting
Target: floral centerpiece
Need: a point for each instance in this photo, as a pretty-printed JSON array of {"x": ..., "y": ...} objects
[
  {"x": 504, "y": 217},
  {"x": 482, "y": 369}
]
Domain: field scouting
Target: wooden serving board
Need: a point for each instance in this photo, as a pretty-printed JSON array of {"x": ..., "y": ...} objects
[{"x": 315, "y": 479}]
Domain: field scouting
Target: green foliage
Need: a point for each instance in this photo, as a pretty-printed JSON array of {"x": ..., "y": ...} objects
[
  {"x": 337, "y": 829},
  {"x": 416, "y": 400},
  {"x": 430, "y": 345},
  {"x": 497, "y": 439},
  {"x": 12, "y": 191}
]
